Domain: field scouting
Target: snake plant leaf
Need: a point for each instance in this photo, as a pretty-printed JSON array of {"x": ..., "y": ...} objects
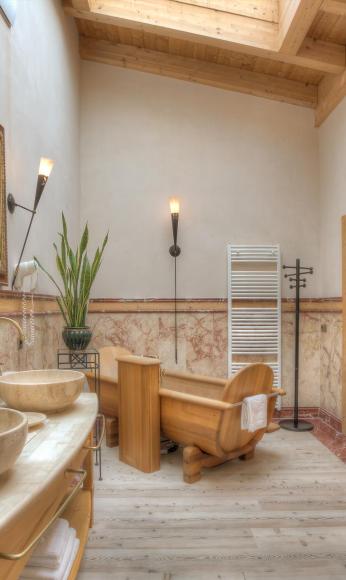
[
  {"x": 62, "y": 309},
  {"x": 64, "y": 226},
  {"x": 98, "y": 258},
  {"x": 84, "y": 241},
  {"x": 105, "y": 242},
  {"x": 61, "y": 270},
  {"x": 48, "y": 274},
  {"x": 63, "y": 249},
  {"x": 96, "y": 264}
]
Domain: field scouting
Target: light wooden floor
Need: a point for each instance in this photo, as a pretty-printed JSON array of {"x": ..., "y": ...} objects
[{"x": 281, "y": 516}]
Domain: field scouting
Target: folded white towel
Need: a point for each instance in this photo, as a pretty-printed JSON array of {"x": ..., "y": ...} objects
[
  {"x": 34, "y": 573},
  {"x": 254, "y": 413},
  {"x": 51, "y": 548},
  {"x": 72, "y": 559},
  {"x": 45, "y": 571}
]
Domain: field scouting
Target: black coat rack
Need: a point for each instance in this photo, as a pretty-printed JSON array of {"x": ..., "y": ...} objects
[{"x": 298, "y": 282}]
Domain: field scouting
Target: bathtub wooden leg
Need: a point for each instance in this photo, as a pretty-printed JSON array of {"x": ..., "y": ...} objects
[
  {"x": 248, "y": 455},
  {"x": 192, "y": 458},
  {"x": 272, "y": 427},
  {"x": 112, "y": 432},
  {"x": 195, "y": 459}
]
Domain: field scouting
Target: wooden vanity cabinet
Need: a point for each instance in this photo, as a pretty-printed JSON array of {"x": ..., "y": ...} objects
[{"x": 31, "y": 502}]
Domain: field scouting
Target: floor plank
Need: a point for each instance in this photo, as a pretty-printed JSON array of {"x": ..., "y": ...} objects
[{"x": 281, "y": 515}]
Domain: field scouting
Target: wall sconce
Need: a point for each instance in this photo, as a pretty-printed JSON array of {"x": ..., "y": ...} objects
[
  {"x": 174, "y": 207},
  {"x": 46, "y": 166},
  {"x": 175, "y": 252}
]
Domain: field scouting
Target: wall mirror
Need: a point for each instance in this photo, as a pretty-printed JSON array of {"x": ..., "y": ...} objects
[{"x": 3, "y": 228}]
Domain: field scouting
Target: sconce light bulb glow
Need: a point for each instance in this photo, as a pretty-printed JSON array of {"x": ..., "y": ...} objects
[
  {"x": 46, "y": 166},
  {"x": 174, "y": 205}
]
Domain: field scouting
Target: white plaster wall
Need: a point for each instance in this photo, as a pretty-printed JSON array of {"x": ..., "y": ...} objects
[
  {"x": 332, "y": 163},
  {"x": 245, "y": 169},
  {"x": 39, "y": 108}
]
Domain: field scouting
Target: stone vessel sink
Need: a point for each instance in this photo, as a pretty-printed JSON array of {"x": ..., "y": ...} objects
[
  {"x": 13, "y": 431},
  {"x": 47, "y": 391}
]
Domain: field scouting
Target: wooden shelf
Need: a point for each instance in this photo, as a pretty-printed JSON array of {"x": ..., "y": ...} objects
[{"x": 78, "y": 515}]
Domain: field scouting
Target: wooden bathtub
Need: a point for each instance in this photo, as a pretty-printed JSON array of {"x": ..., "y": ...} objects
[{"x": 204, "y": 415}]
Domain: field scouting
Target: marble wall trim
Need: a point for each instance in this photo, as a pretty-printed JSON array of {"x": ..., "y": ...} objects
[
  {"x": 10, "y": 303},
  {"x": 101, "y": 305}
]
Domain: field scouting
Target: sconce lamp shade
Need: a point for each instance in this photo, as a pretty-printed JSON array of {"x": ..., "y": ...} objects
[
  {"x": 46, "y": 166},
  {"x": 174, "y": 205}
]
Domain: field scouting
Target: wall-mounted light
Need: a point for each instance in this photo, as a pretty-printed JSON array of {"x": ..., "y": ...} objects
[
  {"x": 45, "y": 168},
  {"x": 175, "y": 208},
  {"x": 175, "y": 252}
]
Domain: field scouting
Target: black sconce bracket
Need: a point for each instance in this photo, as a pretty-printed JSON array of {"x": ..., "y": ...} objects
[
  {"x": 175, "y": 251},
  {"x": 43, "y": 174},
  {"x": 11, "y": 205}
]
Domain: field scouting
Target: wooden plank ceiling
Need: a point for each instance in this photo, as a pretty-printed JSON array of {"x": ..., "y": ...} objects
[{"x": 287, "y": 50}]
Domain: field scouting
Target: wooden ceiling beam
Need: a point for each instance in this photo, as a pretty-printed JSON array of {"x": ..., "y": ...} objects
[
  {"x": 261, "y": 9},
  {"x": 318, "y": 55},
  {"x": 193, "y": 70},
  {"x": 295, "y": 19},
  {"x": 331, "y": 91},
  {"x": 337, "y": 7},
  {"x": 83, "y": 5}
]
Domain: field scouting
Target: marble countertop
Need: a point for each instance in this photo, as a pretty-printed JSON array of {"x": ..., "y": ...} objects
[{"x": 48, "y": 450}]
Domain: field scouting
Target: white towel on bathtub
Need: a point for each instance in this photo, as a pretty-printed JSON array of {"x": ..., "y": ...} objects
[
  {"x": 254, "y": 413},
  {"x": 60, "y": 573}
]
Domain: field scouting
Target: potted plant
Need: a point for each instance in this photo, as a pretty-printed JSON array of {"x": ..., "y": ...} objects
[{"x": 77, "y": 274}]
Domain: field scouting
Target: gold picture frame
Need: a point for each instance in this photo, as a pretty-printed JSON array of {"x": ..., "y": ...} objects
[{"x": 3, "y": 225}]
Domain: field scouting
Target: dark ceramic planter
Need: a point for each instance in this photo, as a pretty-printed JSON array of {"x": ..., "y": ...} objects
[{"x": 77, "y": 338}]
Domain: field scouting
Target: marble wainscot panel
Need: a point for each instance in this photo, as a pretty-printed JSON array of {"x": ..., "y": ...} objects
[
  {"x": 153, "y": 334},
  {"x": 309, "y": 354},
  {"x": 202, "y": 346},
  {"x": 41, "y": 354},
  {"x": 331, "y": 363}
]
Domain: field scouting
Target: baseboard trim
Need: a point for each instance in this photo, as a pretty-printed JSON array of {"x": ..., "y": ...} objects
[{"x": 312, "y": 412}]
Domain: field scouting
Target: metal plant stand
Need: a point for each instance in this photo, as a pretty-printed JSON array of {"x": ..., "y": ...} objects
[
  {"x": 85, "y": 360},
  {"x": 298, "y": 282}
]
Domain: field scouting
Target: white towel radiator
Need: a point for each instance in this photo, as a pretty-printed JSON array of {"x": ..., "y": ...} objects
[{"x": 254, "y": 307}]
